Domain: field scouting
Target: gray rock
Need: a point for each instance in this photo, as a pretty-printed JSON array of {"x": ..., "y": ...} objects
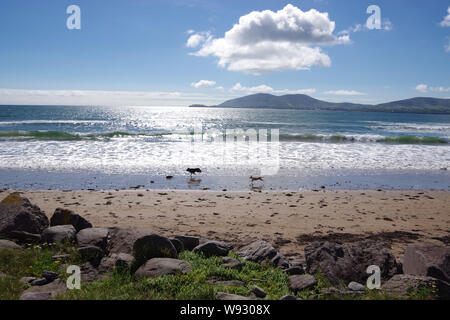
[
  {"x": 39, "y": 282},
  {"x": 122, "y": 240},
  {"x": 231, "y": 263},
  {"x": 26, "y": 280},
  {"x": 93, "y": 237},
  {"x": 213, "y": 248},
  {"x": 163, "y": 266},
  {"x": 89, "y": 273},
  {"x": 403, "y": 285},
  {"x": 258, "y": 251},
  {"x": 230, "y": 297},
  {"x": 258, "y": 292},
  {"x": 301, "y": 282},
  {"x": 49, "y": 275},
  {"x": 64, "y": 217},
  {"x": 59, "y": 234},
  {"x": 216, "y": 281},
  {"x": 288, "y": 297},
  {"x": 152, "y": 246},
  {"x": 91, "y": 254},
  {"x": 18, "y": 214},
  {"x": 355, "y": 286},
  {"x": 427, "y": 259},
  {"x": 120, "y": 261},
  {"x": 294, "y": 271},
  {"x": 24, "y": 237},
  {"x": 45, "y": 292},
  {"x": 349, "y": 262},
  {"x": 280, "y": 261},
  {"x": 189, "y": 242},
  {"x": 177, "y": 244},
  {"x": 6, "y": 244},
  {"x": 297, "y": 262}
]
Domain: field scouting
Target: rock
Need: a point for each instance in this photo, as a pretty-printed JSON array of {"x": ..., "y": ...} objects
[
  {"x": 403, "y": 285},
  {"x": 45, "y": 292},
  {"x": 6, "y": 244},
  {"x": 288, "y": 297},
  {"x": 59, "y": 234},
  {"x": 258, "y": 292},
  {"x": 62, "y": 257},
  {"x": 121, "y": 261},
  {"x": 89, "y": 273},
  {"x": 26, "y": 280},
  {"x": 93, "y": 237},
  {"x": 301, "y": 282},
  {"x": 334, "y": 293},
  {"x": 231, "y": 263},
  {"x": 217, "y": 281},
  {"x": 229, "y": 296},
  {"x": 297, "y": 262},
  {"x": 427, "y": 259},
  {"x": 258, "y": 251},
  {"x": 355, "y": 286},
  {"x": 39, "y": 282},
  {"x": 213, "y": 248},
  {"x": 349, "y": 262},
  {"x": 189, "y": 242},
  {"x": 18, "y": 214},
  {"x": 152, "y": 246},
  {"x": 177, "y": 244},
  {"x": 64, "y": 217},
  {"x": 24, "y": 237},
  {"x": 294, "y": 271},
  {"x": 163, "y": 266},
  {"x": 280, "y": 261},
  {"x": 91, "y": 254},
  {"x": 122, "y": 240},
  {"x": 49, "y": 275}
]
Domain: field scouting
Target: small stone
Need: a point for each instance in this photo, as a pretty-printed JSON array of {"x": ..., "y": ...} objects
[
  {"x": 39, "y": 282},
  {"x": 231, "y": 263},
  {"x": 288, "y": 297},
  {"x": 301, "y": 282},
  {"x": 229, "y": 296},
  {"x": 49, "y": 275},
  {"x": 355, "y": 286},
  {"x": 257, "y": 291},
  {"x": 26, "y": 280},
  {"x": 163, "y": 266}
]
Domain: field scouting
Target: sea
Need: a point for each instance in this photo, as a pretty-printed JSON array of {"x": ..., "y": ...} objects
[{"x": 109, "y": 148}]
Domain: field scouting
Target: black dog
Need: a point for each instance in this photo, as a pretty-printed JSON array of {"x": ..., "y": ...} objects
[{"x": 194, "y": 171}]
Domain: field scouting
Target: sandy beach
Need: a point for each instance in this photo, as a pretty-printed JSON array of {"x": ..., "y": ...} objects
[{"x": 289, "y": 220}]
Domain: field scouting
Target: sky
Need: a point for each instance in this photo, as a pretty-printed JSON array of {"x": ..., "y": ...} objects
[{"x": 180, "y": 52}]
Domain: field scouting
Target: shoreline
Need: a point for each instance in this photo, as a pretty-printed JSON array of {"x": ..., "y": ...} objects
[{"x": 288, "y": 219}]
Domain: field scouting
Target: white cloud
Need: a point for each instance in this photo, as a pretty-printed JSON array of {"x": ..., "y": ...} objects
[
  {"x": 425, "y": 88},
  {"x": 386, "y": 25},
  {"x": 203, "y": 84},
  {"x": 266, "y": 89},
  {"x": 446, "y": 21},
  {"x": 447, "y": 46},
  {"x": 267, "y": 41},
  {"x": 344, "y": 93}
]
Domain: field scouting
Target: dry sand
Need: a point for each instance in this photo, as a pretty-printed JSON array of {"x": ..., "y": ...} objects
[{"x": 288, "y": 220}]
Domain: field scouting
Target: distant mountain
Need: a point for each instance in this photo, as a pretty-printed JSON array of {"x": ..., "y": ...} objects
[{"x": 304, "y": 102}]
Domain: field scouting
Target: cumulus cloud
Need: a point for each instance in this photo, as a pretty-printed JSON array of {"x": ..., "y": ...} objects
[
  {"x": 202, "y": 84},
  {"x": 267, "y": 41},
  {"x": 266, "y": 89},
  {"x": 425, "y": 88},
  {"x": 446, "y": 21},
  {"x": 386, "y": 25},
  {"x": 344, "y": 93}
]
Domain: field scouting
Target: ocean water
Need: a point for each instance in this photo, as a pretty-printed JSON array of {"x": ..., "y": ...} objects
[{"x": 63, "y": 146}]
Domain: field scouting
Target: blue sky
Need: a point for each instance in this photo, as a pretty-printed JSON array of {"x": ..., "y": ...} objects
[{"x": 136, "y": 52}]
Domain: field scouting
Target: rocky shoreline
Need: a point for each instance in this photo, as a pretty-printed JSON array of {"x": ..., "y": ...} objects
[{"x": 145, "y": 254}]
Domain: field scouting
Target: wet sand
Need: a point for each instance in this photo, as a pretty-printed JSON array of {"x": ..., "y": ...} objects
[{"x": 288, "y": 220}]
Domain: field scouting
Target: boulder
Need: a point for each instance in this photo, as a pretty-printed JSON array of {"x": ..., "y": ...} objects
[
  {"x": 427, "y": 259},
  {"x": 49, "y": 275},
  {"x": 258, "y": 292},
  {"x": 280, "y": 261},
  {"x": 18, "y": 214},
  {"x": 6, "y": 244},
  {"x": 189, "y": 242},
  {"x": 404, "y": 286},
  {"x": 89, "y": 273},
  {"x": 231, "y": 263},
  {"x": 24, "y": 237},
  {"x": 122, "y": 240},
  {"x": 39, "y": 282},
  {"x": 177, "y": 244},
  {"x": 64, "y": 217},
  {"x": 294, "y": 271},
  {"x": 93, "y": 237},
  {"x": 59, "y": 234},
  {"x": 213, "y": 248},
  {"x": 120, "y": 261},
  {"x": 45, "y": 292},
  {"x": 163, "y": 266},
  {"x": 152, "y": 246},
  {"x": 349, "y": 262},
  {"x": 258, "y": 251},
  {"x": 91, "y": 254},
  {"x": 230, "y": 296},
  {"x": 301, "y": 282}
]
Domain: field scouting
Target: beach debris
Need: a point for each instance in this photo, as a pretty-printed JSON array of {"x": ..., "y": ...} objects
[
  {"x": 18, "y": 214},
  {"x": 66, "y": 217},
  {"x": 163, "y": 266},
  {"x": 59, "y": 234}
]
